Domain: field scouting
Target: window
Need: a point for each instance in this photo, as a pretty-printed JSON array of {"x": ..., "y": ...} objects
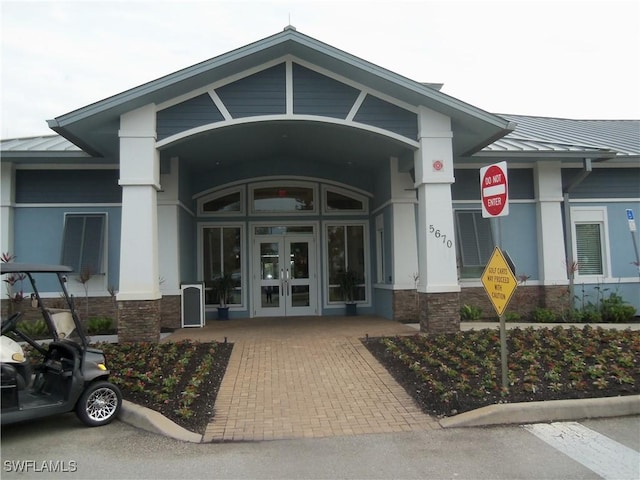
[
  {"x": 283, "y": 198},
  {"x": 346, "y": 251},
  {"x": 590, "y": 241},
  {"x": 340, "y": 201},
  {"x": 222, "y": 253},
  {"x": 589, "y": 248},
  {"x": 83, "y": 242},
  {"x": 226, "y": 202},
  {"x": 475, "y": 242}
]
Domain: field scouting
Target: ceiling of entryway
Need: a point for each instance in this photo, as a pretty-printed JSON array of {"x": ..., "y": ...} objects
[{"x": 304, "y": 140}]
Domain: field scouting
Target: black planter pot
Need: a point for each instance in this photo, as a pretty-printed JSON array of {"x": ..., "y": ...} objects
[
  {"x": 351, "y": 309},
  {"x": 223, "y": 313}
]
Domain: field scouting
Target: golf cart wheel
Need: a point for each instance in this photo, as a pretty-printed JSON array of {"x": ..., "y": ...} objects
[{"x": 99, "y": 404}]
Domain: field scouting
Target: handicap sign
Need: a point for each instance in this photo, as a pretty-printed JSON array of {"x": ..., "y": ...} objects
[{"x": 631, "y": 220}]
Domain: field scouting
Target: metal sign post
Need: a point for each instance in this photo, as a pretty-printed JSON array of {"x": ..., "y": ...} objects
[{"x": 499, "y": 281}]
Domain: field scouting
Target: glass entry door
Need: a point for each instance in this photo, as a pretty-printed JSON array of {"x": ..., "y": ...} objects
[{"x": 285, "y": 276}]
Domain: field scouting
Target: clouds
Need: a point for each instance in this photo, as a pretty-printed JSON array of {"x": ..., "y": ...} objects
[{"x": 571, "y": 59}]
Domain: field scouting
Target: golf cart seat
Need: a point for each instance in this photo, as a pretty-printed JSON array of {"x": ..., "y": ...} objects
[{"x": 21, "y": 373}]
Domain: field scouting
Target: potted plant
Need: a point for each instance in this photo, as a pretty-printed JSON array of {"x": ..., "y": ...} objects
[
  {"x": 224, "y": 286},
  {"x": 347, "y": 282}
]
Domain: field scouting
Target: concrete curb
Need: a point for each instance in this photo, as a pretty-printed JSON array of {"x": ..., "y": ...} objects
[
  {"x": 154, "y": 422},
  {"x": 548, "y": 411}
]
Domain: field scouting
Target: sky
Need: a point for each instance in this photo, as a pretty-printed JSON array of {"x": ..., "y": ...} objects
[{"x": 562, "y": 58}]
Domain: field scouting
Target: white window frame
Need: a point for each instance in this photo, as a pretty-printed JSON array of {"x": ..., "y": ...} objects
[
  {"x": 592, "y": 215},
  {"x": 347, "y": 193},
  {"x": 243, "y": 261},
  {"x": 241, "y": 189},
  {"x": 325, "y": 263},
  {"x": 284, "y": 184}
]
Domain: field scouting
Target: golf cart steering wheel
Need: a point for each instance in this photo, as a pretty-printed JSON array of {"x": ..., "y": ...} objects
[{"x": 10, "y": 323}]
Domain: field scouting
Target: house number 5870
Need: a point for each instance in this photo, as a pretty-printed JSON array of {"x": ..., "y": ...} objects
[{"x": 438, "y": 234}]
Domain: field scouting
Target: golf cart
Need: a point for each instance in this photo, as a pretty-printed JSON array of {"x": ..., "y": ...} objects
[{"x": 71, "y": 375}]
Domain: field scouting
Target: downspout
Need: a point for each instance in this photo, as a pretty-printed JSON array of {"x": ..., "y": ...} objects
[{"x": 568, "y": 233}]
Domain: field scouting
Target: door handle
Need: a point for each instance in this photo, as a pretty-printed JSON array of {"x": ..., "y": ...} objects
[
  {"x": 286, "y": 282},
  {"x": 281, "y": 281}
]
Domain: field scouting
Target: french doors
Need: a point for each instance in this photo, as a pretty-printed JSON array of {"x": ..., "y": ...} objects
[{"x": 285, "y": 278}]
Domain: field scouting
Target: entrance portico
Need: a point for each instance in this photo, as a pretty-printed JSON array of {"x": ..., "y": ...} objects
[{"x": 286, "y": 133}]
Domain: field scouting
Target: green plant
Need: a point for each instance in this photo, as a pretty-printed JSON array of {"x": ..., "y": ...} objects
[
  {"x": 614, "y": 309},
  {"x": 543, "y": 315},
  {"x": 512, "y": 317},
  {"x": 36, "y": 329},
  {"x": 470, "y": 313},
  {"x": 347, "y": 282},
  {"x": 224, "y": 286},
  {"x": 99, "y": 325}
]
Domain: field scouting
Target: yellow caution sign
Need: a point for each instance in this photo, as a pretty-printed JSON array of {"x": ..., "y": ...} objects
[{"x": 499, "y": 281}]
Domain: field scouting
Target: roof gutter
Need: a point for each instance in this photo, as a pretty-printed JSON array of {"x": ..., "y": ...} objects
[{"x": 568, "y": 231}]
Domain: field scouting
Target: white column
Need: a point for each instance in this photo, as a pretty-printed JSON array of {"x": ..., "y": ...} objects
[
  {"x": 551, "y": 248},
  {"x": 139, "y": 178},
  {"x": 168, "y": 229},
  {"x": 7, "y": 201},
  {"x": 434, "y": 176},
  {"x": 405, "y": 245}
]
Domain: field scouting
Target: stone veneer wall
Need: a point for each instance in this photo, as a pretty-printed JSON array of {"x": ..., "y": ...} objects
[
  {"x": 525, "y": 299},
  {"x": 405, "y": 306},
  {"x": 170, "y": 314},
  {"x": 139, "y": 321},
  {"x": 439, "y": 312}
]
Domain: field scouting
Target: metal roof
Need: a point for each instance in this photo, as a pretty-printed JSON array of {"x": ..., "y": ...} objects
[
  {"x": 545, "y": 134},
  {"x": 46, "y": 143}
]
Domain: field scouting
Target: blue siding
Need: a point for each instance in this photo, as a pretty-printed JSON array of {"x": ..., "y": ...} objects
[
  {"x": 378, "y": 113},
  {"x": 586, "y": 293},
  {"x": 621, "y": 243},
  {"x": 316, "y": 94},
  {"x": 467, "y": 184},
  {"x": 609, "y": 183},
  {"x": 383, "y": 302},
  {"x": 68, "y": 186},
  {"x": 520, "y": 239},
  {"x": 388, "y": 244},
  {"x": 263, "y": 93},
  {"x": 193, "y": 113},
  {"x": 33, "y": 247}
]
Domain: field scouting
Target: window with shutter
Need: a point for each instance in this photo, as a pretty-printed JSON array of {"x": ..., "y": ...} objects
[
  {"x": 475, "y": 242},
  {"x": 83, "y": 242},
  {"x": 589, "y": 248}
]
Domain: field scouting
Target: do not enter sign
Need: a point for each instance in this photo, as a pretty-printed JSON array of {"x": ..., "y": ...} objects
[{"x": 494, "y": 190}]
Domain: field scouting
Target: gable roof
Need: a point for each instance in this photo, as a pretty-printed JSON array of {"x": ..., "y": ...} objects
[{"x": 94, "y": 128}]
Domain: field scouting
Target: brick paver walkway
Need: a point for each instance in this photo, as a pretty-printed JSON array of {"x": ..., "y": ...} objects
[{"x": 306, "y": 377}]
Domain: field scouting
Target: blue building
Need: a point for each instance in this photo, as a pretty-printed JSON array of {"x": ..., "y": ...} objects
[{"x": 287, "y": 162}]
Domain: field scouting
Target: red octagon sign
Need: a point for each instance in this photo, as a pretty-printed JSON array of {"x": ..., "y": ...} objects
[{"x": 494, "y": 190}]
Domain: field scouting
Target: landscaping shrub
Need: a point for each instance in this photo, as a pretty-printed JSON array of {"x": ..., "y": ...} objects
[
  {"x": 470, "y": 313},
  {"x": 100, "y": 326},
  {"x": 543, "y": 315},
  {"x": 615, "y": 310}
]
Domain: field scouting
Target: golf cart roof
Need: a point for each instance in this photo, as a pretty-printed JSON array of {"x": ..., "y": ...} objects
[{"x": 33, "y": 268}]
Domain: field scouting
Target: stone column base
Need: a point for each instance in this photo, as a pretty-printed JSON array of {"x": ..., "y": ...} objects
[
  {"x": 439, "y": 312},
  {"x": 139, "y": 321}
]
